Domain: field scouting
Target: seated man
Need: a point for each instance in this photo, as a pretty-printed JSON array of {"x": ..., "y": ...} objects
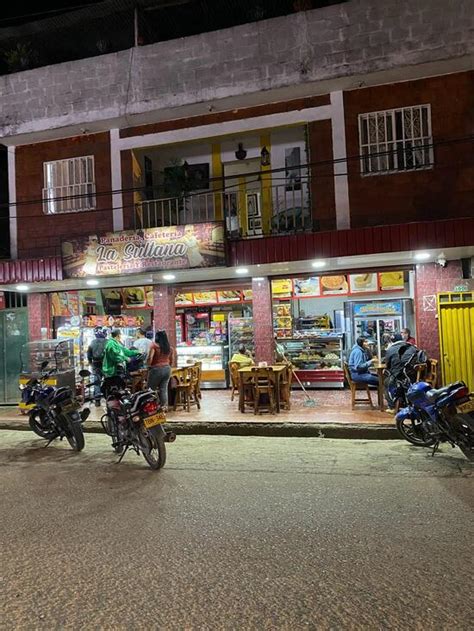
[
  {"x": 360, "y": 362},
  {"x": 242, "y": 357}
]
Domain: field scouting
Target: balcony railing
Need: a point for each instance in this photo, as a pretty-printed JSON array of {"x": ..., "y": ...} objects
[{"x": 281, "y": 209}]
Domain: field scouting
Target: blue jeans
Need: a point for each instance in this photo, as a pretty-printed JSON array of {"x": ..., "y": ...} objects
[
  {"x": 97, "y": 381},
  {"x": 365, "y": 377},
  {"x": 158, "y": 379}
]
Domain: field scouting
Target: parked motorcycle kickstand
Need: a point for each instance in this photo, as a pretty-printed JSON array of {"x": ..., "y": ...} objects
[
  {"x": 123, "y": 454},
  {"x": 435, "y": 448}
]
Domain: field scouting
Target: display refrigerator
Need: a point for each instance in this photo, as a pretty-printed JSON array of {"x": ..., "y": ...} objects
[
  {"x": 377, "y": 321},
  {"x": 317, "y": 357},
  {"x": 213, "y": 358}
]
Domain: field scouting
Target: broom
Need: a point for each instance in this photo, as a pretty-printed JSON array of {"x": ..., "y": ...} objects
[{"x": 309, "y": 403}]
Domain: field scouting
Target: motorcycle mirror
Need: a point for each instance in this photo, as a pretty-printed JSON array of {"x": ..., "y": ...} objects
[
  {"x": 44, "y": 364},
  {"x": 84, "y": 373}
]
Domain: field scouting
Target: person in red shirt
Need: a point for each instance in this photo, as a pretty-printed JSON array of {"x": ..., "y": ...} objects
[
  {"x": 160, "y": 359},
  {"x": 406, "y": 336}
]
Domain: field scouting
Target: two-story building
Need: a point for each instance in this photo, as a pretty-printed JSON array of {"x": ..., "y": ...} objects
[{"x": 308, "y": 177}]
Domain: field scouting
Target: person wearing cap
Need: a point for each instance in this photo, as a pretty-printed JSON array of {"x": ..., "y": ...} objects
[{"x": 95, "y": 357}]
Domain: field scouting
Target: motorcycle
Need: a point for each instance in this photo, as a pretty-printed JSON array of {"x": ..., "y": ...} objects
[
  {"x": 438, "y": 415},
  {"x": 56, "y": 410},
  {"x": 136, "y": 421}
]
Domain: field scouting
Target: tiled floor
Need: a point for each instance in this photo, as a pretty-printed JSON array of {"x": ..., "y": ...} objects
[{"x": 332, "y": 406}]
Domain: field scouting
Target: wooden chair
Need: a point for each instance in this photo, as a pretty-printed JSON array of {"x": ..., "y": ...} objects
[
  {"x": 246, "y": 391},
  {"x": 285, "y": 387},
  {"x": 263, "y": 386},
  {"x": 186, "y": 389},
  {"x": 198, "y": 366},
  {"x": 234, "y": 378},
  {"x": 357, "y": 387},
  {"x": 420, "y": 372},
  {"x": 432, "y": 373}
]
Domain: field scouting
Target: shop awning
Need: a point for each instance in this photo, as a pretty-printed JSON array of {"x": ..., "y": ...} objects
[
  {"x": 407, "y": 237},
  {"x": 31, "y": 270}
]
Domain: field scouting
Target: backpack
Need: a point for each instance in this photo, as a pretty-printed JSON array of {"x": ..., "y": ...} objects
[{"x": 98, "y": 349}]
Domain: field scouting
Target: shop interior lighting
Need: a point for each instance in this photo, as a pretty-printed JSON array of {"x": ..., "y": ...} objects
[
  {"x": 169, "y": 276},
  {"x": 318, "y": 264},
  {"x": 92, "y": 282},
  {"x": 422, "y": 256},
  {"x": 242, "y": 270},
  {"x": 22, "y": 287}
]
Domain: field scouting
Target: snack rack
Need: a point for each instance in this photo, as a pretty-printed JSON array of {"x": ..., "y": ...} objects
[
  {"x": 317, "y": 356},
  {"x": 240, "y": 333}
]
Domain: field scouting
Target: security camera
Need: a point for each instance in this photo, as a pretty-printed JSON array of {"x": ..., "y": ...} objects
[{"x": 441, "y": 260}]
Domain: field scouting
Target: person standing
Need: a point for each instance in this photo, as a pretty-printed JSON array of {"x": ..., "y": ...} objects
[
  {"x": 142, "y": 343},
  {"x": 159, "y": 362},
  {"x": 115, "y": 357},
  {"x": 360, "y": 361},
  {"x": 95, "y": 357}
]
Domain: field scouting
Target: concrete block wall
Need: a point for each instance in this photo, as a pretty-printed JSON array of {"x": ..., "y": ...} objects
[{"x": 353, "y": 38}]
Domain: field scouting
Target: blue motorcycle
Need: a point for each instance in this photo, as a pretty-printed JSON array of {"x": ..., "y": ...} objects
[
  {"x": 55, "y": 412},
  {"x": 438, "y": 415}
]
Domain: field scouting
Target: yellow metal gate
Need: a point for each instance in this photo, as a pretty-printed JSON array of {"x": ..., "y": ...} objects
[{"x": 456, "y": 335}]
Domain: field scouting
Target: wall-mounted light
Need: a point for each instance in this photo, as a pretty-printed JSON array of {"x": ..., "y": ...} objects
[
  {"x": 265, "y": 157},
  {"x": 241, "y": 154}
]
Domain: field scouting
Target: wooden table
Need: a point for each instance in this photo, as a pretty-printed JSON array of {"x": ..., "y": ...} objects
[
  {"x": 380, "y": 368},
  {"x": 278, "y": 369}
]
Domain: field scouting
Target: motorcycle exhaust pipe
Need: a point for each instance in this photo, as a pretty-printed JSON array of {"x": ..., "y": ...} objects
[{"x": 170, "y": 437}]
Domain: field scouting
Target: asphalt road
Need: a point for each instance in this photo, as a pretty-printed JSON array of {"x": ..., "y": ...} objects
[{"x": 236, "y": 533}]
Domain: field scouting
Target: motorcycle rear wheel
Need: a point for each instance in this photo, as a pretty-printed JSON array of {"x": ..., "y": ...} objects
[
  {"x": 74, "y": 434},
  {"x": 37, "y": 421},
  {"x": 154, "y": 451},
  {"x": 412, "y": 432}
]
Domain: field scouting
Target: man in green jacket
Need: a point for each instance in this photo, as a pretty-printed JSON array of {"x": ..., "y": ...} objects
[{"x": 115, "y": 356}]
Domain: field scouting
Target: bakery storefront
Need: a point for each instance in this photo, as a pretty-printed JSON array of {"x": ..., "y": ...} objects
[{"x": 318, "y": 318}]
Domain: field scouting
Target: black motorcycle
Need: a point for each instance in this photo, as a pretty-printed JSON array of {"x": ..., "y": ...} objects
[
  {"x": 56, "y": 410},
  {"x": 136, "y": 421}
]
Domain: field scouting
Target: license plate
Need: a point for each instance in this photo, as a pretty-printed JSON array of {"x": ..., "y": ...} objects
[
  {"x": 156, "y": 419},
  {"x": 466, "y": 407}
]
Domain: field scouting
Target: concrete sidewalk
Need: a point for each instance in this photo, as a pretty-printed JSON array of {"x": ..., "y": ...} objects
[{"x": 198, "y": 422}]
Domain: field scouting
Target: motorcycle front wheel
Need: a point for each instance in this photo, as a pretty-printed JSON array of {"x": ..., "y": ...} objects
[
  {"x": 412, "y": 431},
  {"x": 38, "y": 423},
  {"x": 74, "y": 434},
  {"x": 154, "y": 450}
]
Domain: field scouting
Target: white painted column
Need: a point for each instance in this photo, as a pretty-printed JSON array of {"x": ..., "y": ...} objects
[
  {"x": 116, "y": 173},
  {"x": 341, "y": 181},
  {"x": 13, "y": 225}
]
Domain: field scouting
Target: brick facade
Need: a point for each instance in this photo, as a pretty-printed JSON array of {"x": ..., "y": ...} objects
[
  {"x": 40, "y": 234},
  {"x": 432, "y": 279},
  {"x": 39, "y": 317},
  {"x": 263, "y": 320},
  {"x": 446, "y": 190}
]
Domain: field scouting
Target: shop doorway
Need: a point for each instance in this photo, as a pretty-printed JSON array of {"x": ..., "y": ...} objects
[
  {"x": 456, "y": 331},
  {"x": 243, "y": 201},
  {"x": 13, "y": 334}
]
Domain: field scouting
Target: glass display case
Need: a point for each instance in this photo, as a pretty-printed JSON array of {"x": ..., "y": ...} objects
[
  {"x": 213, "y": 360},
  {"x": 240, "y": 334},
  {"x": 60, "y": 357},
  {"x": 282, "y": 319},
  {"x": 317, "y": 357}
]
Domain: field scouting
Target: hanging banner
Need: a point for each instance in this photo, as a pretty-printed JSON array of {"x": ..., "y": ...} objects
[
  {"x": 306, "y": 287},
  {"x": 391, "y": 281},
  {"x": 128, "y": 252},
  {"x": 363, "y": 283},
  {"x": 333, "y": 285}
]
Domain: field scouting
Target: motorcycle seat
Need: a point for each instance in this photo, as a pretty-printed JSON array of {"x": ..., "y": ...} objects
[{"x": 435, "y": 394}]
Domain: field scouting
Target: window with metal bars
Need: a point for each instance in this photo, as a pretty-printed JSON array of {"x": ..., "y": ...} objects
[
  {"x": 396, "y": 140},
  {"x": 69, "y": 185}
]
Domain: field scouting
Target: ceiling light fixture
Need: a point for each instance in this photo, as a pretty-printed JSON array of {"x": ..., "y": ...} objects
[
  {"x": 318, "y": 264},
  {"x": 242, "y": 270},
  {"x": 22, "y": 287},
  {"x": 422, "y": 256},
  {"x": 257, "y": 279},
  {"x": 92, "y": 282},
  {"x": 169, "y": 276}
]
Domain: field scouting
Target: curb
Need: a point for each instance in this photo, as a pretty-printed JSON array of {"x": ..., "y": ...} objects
[{"x": 288, "y": 430}]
